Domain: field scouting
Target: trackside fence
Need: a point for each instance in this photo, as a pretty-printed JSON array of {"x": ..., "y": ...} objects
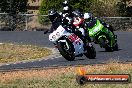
[{"x": 31, "y": 22}]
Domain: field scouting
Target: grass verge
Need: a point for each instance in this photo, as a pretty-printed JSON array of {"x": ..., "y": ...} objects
[
  {"x": 14, "y": 52},
  {"x": 62, "y": 77}
]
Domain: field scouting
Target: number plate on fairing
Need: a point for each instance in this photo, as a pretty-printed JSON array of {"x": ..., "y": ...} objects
[
  {"x": 74, "y": 38},
  {"x": 57, "y": 34}
]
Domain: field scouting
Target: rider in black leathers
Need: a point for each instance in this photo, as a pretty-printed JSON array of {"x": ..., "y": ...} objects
[
  {"x": 55, "y": 19},
  {"x": 59, "y": 18},
  {"x": 68, "y": 19}
]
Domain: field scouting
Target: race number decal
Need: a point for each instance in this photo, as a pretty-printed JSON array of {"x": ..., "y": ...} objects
[{"x": 74, "y": 38}]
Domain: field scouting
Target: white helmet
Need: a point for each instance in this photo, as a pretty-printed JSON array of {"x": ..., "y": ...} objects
[
  {"x": 65, "y": 3},
  {"x": 88, "y": 15},
  {"x": 66, "y": 9}
]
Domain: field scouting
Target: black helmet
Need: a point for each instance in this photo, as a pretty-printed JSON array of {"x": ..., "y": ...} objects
[
  {"x": 52, "y": 14},
  {"x": 65, "y": 3}
]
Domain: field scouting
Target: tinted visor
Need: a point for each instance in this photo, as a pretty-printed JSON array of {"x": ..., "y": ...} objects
[{"x": 65, "y": 5}]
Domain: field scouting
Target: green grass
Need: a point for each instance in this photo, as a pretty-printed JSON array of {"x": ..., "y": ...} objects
[
  {"x": 14, "y": 52},
  {"x": 67, "y": 81},
  {"x": 67, "y": 78}
]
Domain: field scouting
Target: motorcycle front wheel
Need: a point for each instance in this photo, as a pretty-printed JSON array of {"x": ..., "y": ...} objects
[
  {"x": 105, "y": 44},
  {"x": 68, "y": 54}
]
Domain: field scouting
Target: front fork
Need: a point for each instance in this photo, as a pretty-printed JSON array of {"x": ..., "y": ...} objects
[
  {"x": 64, "y": 41},
  {"x": 114, "y": 40},
  {"x": 103, "y": 41},
  {"x": 115, "y": 36}
]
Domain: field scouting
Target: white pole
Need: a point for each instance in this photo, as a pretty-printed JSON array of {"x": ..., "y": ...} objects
[{"x": 26, "y": 23}]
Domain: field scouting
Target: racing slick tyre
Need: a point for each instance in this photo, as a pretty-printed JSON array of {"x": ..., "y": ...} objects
[
  {"x": 68, "y": 54},
  {"x": 91, "y": 52},
  {"x": 108, "y": 49},
  {"x": 115, "y": 48}
]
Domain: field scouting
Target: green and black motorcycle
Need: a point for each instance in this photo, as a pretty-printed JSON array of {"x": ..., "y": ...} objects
[{"x": 103, "y": 36}]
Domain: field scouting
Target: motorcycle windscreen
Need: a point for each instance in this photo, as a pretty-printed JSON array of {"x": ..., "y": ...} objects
[
  {"x": 58, "y": 33},
  {"x": 95, "y": 29}
]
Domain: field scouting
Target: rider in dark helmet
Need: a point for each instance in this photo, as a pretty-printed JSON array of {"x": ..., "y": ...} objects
[
  {"x": 67, "y": 16},
  {"x": 67, "y": 9},
  {"x": 55, "y": 18},
  {"x": 81, "y": 26}
]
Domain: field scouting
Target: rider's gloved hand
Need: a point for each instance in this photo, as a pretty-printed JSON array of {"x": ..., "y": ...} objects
[
  {"x": 107, "y": 25},
  {"x": 45, "y": 32}
]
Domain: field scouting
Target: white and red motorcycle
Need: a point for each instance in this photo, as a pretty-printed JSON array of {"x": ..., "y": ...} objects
[{"x": 70, "y": 45}]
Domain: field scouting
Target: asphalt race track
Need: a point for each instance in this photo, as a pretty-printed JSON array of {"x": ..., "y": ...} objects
[{"x": 38, "y": 38}]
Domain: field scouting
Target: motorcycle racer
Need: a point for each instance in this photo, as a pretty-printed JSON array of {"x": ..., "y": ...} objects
[
  {"x": 55, "y": 18},
  {"x": 76, "y": 22},
  {"x": 91, "y": 21},
  {"x": 67, "y": 9},
  {"x": 70, "y": 19},
  {"x": 74, "y": 19},
  {"x": 79, "y": 22},
  {"x": 101, "y": 33}
]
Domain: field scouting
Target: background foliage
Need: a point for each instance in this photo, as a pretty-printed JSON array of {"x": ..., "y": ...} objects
[
  {"x": 97, "y": 7},
  {"x": 100, "y": 8},
  {"x": 12, "y": 7}
]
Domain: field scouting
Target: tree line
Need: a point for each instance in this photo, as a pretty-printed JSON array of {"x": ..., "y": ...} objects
[
  {"x": 99, "y": 8},
  {"x": 13, "y": 6}
]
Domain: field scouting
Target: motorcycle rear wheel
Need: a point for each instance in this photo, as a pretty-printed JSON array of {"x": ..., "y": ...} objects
[
  {"x": 91, "y": 52},
  {"x": 108, "y": 49},
  {"x": 115, "y": 48}
]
